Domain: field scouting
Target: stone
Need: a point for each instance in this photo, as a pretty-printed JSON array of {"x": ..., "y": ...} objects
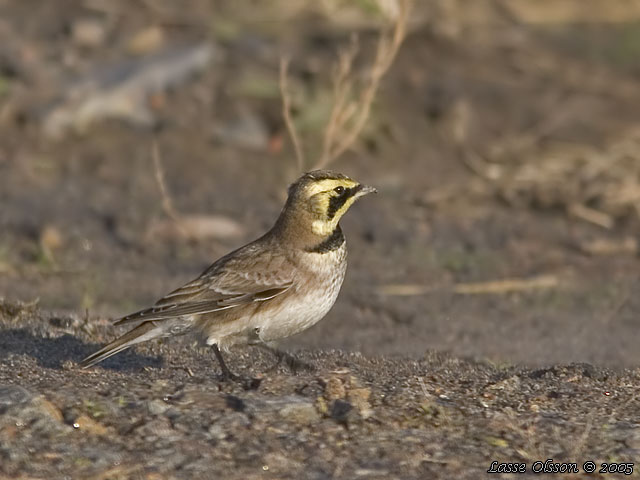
[
  {"x": 217, "y": 432},
  {"x": 146, "y": 40},
  {"x": 334, "y": 389},
  {"x": 341, "y": 411},
  {"x": 157, "y": 407},
  {"x": 25, "y": 410},
  {"x": 88, "y": 32},
  {"x": 359, "y": 398},
  {"x": 11, "y": 395},
  {"x": 303, "y": 413}
]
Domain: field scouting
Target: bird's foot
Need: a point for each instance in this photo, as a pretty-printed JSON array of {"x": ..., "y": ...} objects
[
  {"x": 294, "y": 364},
  {"x": 228, "y": 375},
  {"x": 247, "y": 383}
]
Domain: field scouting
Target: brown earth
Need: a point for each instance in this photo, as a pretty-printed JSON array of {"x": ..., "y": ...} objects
[
  {"x": 453, "y": 379},
  {"x": 161, "y": 412}
]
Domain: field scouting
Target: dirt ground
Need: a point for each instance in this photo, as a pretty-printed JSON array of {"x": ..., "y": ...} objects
[{"x": 421, "y": 370}]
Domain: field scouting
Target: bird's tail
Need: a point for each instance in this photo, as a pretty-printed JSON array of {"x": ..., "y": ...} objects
[{"x": 142, "y": 333}]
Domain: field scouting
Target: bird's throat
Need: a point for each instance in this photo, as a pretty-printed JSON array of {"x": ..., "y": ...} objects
[{"x": 329, "y": 244}]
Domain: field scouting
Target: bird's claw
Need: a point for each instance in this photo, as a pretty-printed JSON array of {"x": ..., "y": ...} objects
[
  {"x": 247, "y": 383},
  {"x": 294, "y": 364}
]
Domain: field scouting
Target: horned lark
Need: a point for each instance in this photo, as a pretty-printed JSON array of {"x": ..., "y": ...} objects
[{"x": 276, "y": 286}]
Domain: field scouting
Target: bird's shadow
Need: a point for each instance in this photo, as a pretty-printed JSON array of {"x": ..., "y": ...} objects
[{"x": 53, "y": 352}]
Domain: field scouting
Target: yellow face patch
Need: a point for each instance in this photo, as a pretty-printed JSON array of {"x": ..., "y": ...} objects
[{"x": 329, "y": 199}]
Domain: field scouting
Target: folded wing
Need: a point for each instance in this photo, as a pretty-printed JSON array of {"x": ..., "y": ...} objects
[{"x": 225, "y": 285}]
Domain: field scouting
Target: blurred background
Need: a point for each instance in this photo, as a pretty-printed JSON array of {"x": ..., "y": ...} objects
[{"x": 140, "y": 140}]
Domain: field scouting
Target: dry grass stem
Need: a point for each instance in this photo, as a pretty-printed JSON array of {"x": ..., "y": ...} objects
[
  {"x": 286, "y": 113},
  {"x": 610, "y": 246},
  {"x": 591, "y": 215},
  {"x": 341, "y": 111},
  {"x": 348, "y": 118},
  {"x": 187, "y": 226},
  {"x": 351, "y": 106},
  {"x": 492, "y": 287},
  {"x": 167, "y": 203},
  {"x": 405, "y": 290},
  {"x": 507, "y": 286}
]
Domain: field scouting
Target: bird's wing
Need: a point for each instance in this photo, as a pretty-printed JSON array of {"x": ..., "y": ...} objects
[{"x": 240, "y": 278}]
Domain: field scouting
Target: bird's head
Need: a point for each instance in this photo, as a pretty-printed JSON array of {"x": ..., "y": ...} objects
[{"x": 320, "y": 198}]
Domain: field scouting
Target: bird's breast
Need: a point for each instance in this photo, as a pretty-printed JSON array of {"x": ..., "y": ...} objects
[{"x": 317, "y": 287}]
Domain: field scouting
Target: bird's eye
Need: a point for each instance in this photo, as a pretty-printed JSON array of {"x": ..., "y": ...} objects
[{"x": 339, "y": 190}]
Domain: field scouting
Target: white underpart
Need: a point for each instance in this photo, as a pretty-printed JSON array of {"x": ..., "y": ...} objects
[
  {"x": 295, "y": 316},
  {"x": 329, "y": 270}
]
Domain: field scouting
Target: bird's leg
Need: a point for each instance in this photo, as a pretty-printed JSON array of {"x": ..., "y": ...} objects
[
  {"x": 247, "y": 383},
  {"x": 226, "y": 373},
  {"x": 294, "y": 364}
]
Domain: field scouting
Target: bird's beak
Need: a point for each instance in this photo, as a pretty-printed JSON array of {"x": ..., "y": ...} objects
[{"x": 365, "y": 190}]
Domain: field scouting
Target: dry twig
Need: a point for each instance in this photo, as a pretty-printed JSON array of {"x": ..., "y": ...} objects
[
  {"x": 189, "y": 226},
  {"x": 286, "y": 113},
  {"x": 342, "y": 86},
  {"x": 508, "y": 285},
  {"x": 167, "y": 203},
  {"x": 348, "y": 117},
  {"x": 491, "y": 287}
]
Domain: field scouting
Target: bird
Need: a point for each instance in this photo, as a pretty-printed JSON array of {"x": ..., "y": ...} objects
[{"x": 274, "y": 287}]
